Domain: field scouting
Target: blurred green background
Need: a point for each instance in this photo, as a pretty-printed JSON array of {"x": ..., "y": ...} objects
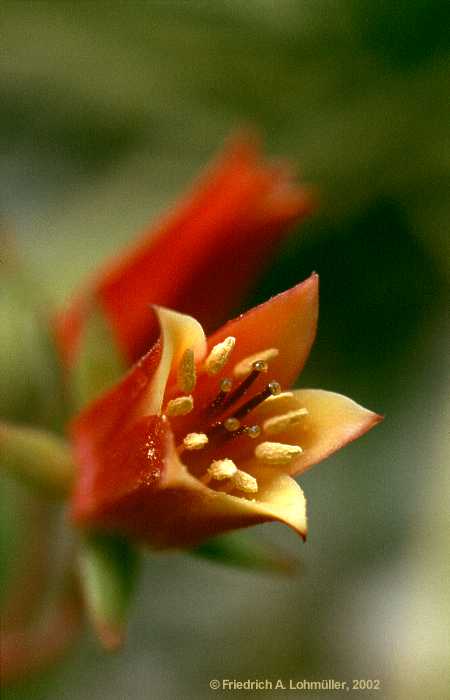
[{"x": 107, "y": 111}]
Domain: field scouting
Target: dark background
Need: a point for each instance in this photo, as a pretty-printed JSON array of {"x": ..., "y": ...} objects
[{"x": 107, "y": 111}]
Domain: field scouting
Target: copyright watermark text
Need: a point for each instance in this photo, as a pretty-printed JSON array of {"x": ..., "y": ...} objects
[{"x": 303, "y": 684}]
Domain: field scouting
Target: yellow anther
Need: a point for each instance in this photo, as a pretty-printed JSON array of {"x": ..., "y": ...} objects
[
  {"x": 277, "y": 452},
  {"x": 277, "y": 424},
  {"x": 278, "y": 397},
  {"x": 246, "y": 365},
  {"x": 244, "y": 482},
  {"x": 195, "y": 441},
  {"x": 186, "y": 371},
  {"x": 219, "y": 355},
  {"x": 180, "y": 406},
  {"x": 222, "y": 469}
]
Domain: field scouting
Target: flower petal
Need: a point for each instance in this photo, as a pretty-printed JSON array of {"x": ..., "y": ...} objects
[
  {"x": 110, "y": 433},
  {"x": 159, "y": 502},
  {"x": 286, "y": 322},
  {"x": 332, "y": 421},
  {"x": 185, "y": 512},
  {"x": 184, "y": 515},
  {"x": 95, "y": 432},
  {"x": 179, "y": 333},
  {"x": 114, "y": 466},
  {"x": 214, "y": 242}
]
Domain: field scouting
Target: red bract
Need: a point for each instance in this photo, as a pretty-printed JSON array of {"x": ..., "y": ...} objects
[
  {"x": 200, "y": 260},
  {"x": 200, "y": 437}
]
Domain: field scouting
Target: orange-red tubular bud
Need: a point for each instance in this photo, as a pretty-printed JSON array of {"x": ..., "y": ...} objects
[
  {"x": 217, "y": 239},
  {"x": 172, "y": 478}
]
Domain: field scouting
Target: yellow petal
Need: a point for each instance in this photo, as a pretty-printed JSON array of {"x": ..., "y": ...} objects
[
  {"x": 184, "y": 511},
  {"x": 332, "y": 421},
  {"x": 179, "y": 333}
]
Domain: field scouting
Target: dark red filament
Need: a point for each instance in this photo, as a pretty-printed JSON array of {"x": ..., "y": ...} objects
[
  {"x": 240, "y": 390},
  {"x": 251, "y": 404},
  {"x": 215, "y": 406}
]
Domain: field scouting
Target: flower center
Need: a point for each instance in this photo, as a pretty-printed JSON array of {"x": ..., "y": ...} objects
[{"x": 207, "y": 451}]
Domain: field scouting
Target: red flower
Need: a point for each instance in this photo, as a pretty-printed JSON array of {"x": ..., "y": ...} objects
[
  {"x": 217, "y": 239},
  {"x": 200, "y": 437}
]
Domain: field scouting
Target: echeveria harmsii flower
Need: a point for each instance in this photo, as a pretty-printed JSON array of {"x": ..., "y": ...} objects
[
  {"x": 223, "y": 232},
  {"x": 203, "y": 435}
]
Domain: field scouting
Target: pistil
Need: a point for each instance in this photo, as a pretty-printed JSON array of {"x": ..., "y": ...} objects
[
  {"x": 245, "y": 365},
  {"x": 242, "y": 388},
  {"x": 271, "y": 389},
  {"x": 214, "y": 407},
  {"x": 219, "y": 428}
]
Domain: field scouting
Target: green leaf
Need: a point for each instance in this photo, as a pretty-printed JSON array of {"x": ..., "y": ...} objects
[
  {"x": 242, "y": 550},
  {"x": 37, "y": 457},
  {"x": 99, "y": 362},
  {"x": 109, "y": 568}
]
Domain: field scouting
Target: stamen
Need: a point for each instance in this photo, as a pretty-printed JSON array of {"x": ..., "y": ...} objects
[
  {"x": 231, "y": 424},
  {"x": 219, "y": 355},
  {"x": 222, "y": 469},
  {"x": 186, "y": 371},
  {"x": 242, "y": 388},
  {"x": 180, "y": 406},
  {"x": 270, "y": 390},
  {"x": 244, "y": 482},
  {"x": 223, "y": 432},
  {"x": 244, "y": 366},
  {"x": 195, "y": 441},
  {"x": 277, "y": 452},
  {"x": 277, "y": 424},
  {"x": 215, "y": 405}
]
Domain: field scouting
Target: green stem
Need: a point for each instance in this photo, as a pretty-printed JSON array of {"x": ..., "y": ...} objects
[{"x": 37, "y": 457}]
